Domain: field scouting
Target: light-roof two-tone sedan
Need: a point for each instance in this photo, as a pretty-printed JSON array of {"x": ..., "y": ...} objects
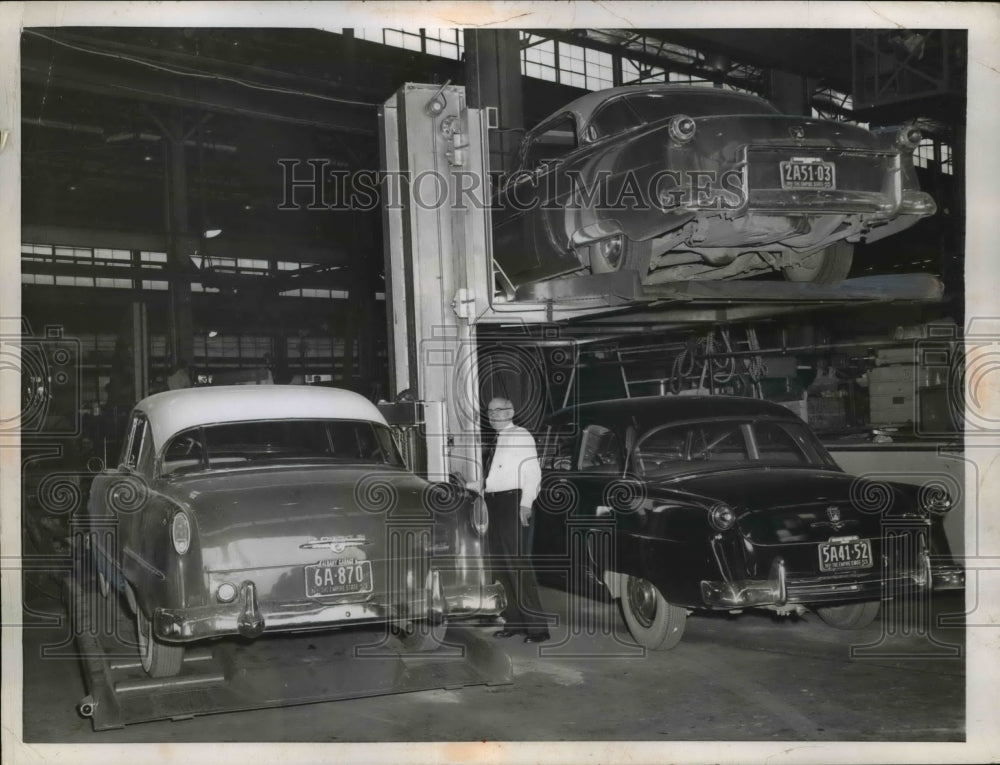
[{"x": 245, "y": 510}]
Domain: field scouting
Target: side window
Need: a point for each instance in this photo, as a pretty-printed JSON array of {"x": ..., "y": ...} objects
[
  {"x": 600, "y": 450},
  {"x": 133, "y": 446},
  {"x": 718, "y": 442},
  {"x": 557, "y": 454},
  {"x": 613, "y": 118},
  {"x": 776, "y": 445},
  {"x": 558, "y": 140}
]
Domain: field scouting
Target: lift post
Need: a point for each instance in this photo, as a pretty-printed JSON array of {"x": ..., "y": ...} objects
[{"x": 436, "y": 195}]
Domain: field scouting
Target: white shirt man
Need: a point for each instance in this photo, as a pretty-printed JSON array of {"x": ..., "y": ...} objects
[
  {"x": 515, "y": 462},
  {"x": 513, "y": 477}
]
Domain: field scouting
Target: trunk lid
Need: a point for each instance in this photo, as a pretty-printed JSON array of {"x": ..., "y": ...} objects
[
  {"x": 271, "y": 525},
  {"x": 786, "y": 506}
]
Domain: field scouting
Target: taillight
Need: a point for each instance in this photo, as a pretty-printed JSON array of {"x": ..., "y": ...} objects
[
  {"x": 909, "y": 137},
  {"x": 681, "y": 128},
  {"x": 180, "y": 532}
]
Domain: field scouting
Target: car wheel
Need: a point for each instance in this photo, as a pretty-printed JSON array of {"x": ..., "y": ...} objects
[
  {"x": 417, "y": 637},
  {"x": 828, "y": 266},
  {"x": 850, "y": 616},
  {"x": 653, "y": 622},
  {"x": 158, "y": 659},
  {"x": 619, "y": 253}
]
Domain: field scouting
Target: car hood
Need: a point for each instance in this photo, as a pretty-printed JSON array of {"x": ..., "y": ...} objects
[
  {"x": 782, "y": 505},
  {"x": 245, "y": 517}
]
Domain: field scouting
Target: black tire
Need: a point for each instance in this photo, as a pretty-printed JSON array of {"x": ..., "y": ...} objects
[
  {"x": 417, "y": 637},
  {"x": 850, "y": 616},
  {"x": 158, "y": 659},
  {"x": 827, "y": 266},
  {"x": 652, "y": 621},
  {"x": 619, "y": 253}
]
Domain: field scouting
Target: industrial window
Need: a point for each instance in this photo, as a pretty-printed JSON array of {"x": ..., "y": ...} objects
[
  {"x": 152, "y": 259},
  {"x": 924, "y": 157},
  {"x": 311, "y": 292},
  {"x": 37, "y": 279},
  {"x": 634, "y": 73},
  {"x": 447, "y": 43},
  {"x": 538, "y": 58},
  {"x": 108, "y": 257}
]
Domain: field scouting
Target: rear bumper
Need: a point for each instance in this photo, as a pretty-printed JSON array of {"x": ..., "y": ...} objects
[
  {"x": 875, "y": 205},
  {"x": 249, "y": 617},
  {"x": 780, "y": 589}
]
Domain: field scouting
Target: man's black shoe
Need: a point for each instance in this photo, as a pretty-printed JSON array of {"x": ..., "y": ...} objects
[
  {"x": 536, "y": 637},
  {"x": 505, "y": 633}
]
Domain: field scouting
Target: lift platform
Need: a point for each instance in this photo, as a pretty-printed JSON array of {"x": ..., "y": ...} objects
[
  {"x": 620, "y": 298},
  {"x": 232, "y": 675}
]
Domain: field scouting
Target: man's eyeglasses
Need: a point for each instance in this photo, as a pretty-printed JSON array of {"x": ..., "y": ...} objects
[{"x": 494, "y": 410}]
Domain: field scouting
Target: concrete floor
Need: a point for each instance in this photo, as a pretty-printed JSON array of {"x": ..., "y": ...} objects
[{"x": 752, "y": 677}]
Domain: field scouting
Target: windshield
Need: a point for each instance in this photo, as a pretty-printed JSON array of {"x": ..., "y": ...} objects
[
  {"x": 241, "y": 444},
  {"x": 630, "y": 111},
  {"x": 724, "y": 444}
]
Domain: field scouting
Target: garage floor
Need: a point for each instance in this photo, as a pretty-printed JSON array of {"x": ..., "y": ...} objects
[{"x": 746, "y": 677}]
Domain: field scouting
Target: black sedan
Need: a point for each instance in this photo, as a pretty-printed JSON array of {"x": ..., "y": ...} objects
[
  {"x": 710, "y": 502},
  {"x": 682, "y": 182}
]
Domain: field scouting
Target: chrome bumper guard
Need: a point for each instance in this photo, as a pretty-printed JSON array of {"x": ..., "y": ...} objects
[
  {"x": 948, "y": 577},
  {"x": 748, "y": 592},
  {"x": 247, "y": 617}
]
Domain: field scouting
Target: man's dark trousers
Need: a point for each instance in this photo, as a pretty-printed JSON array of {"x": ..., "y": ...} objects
[{"x": 509, "y": 547}]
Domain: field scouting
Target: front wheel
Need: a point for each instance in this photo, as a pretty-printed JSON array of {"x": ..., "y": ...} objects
[
  {"x": 850, "y": 616},
  {"x": 619, "y": 253},
  {"x": 827, "y": 266},
  {"x": 158, "y": 659},
  {"x": 653, "y": 622}
]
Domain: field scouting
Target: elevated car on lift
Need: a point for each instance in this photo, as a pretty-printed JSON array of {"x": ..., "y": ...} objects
[
  {"x": 680, "y": 182},
  {"x": 725, "y": 503},
  {"x": 248, "y": 510}
]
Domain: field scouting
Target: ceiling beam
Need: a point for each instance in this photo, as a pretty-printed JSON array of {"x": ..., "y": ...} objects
[{"x": 54, "y": 67}]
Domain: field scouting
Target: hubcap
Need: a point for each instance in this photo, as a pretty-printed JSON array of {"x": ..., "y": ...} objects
[{"x": 642, "y": 600}]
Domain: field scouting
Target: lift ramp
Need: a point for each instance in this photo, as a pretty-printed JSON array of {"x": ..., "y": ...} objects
[{"x": 231, "y": 675}]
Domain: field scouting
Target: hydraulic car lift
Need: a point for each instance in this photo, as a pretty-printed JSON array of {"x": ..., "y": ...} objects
[{"x": 278, "y": 671}]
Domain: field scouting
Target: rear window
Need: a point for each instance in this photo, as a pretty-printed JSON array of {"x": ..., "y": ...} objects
[
  {"x": 243, "y": 444},
  {"x": 722, "y": 444},
  {"x": 627, "y": 112}
]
